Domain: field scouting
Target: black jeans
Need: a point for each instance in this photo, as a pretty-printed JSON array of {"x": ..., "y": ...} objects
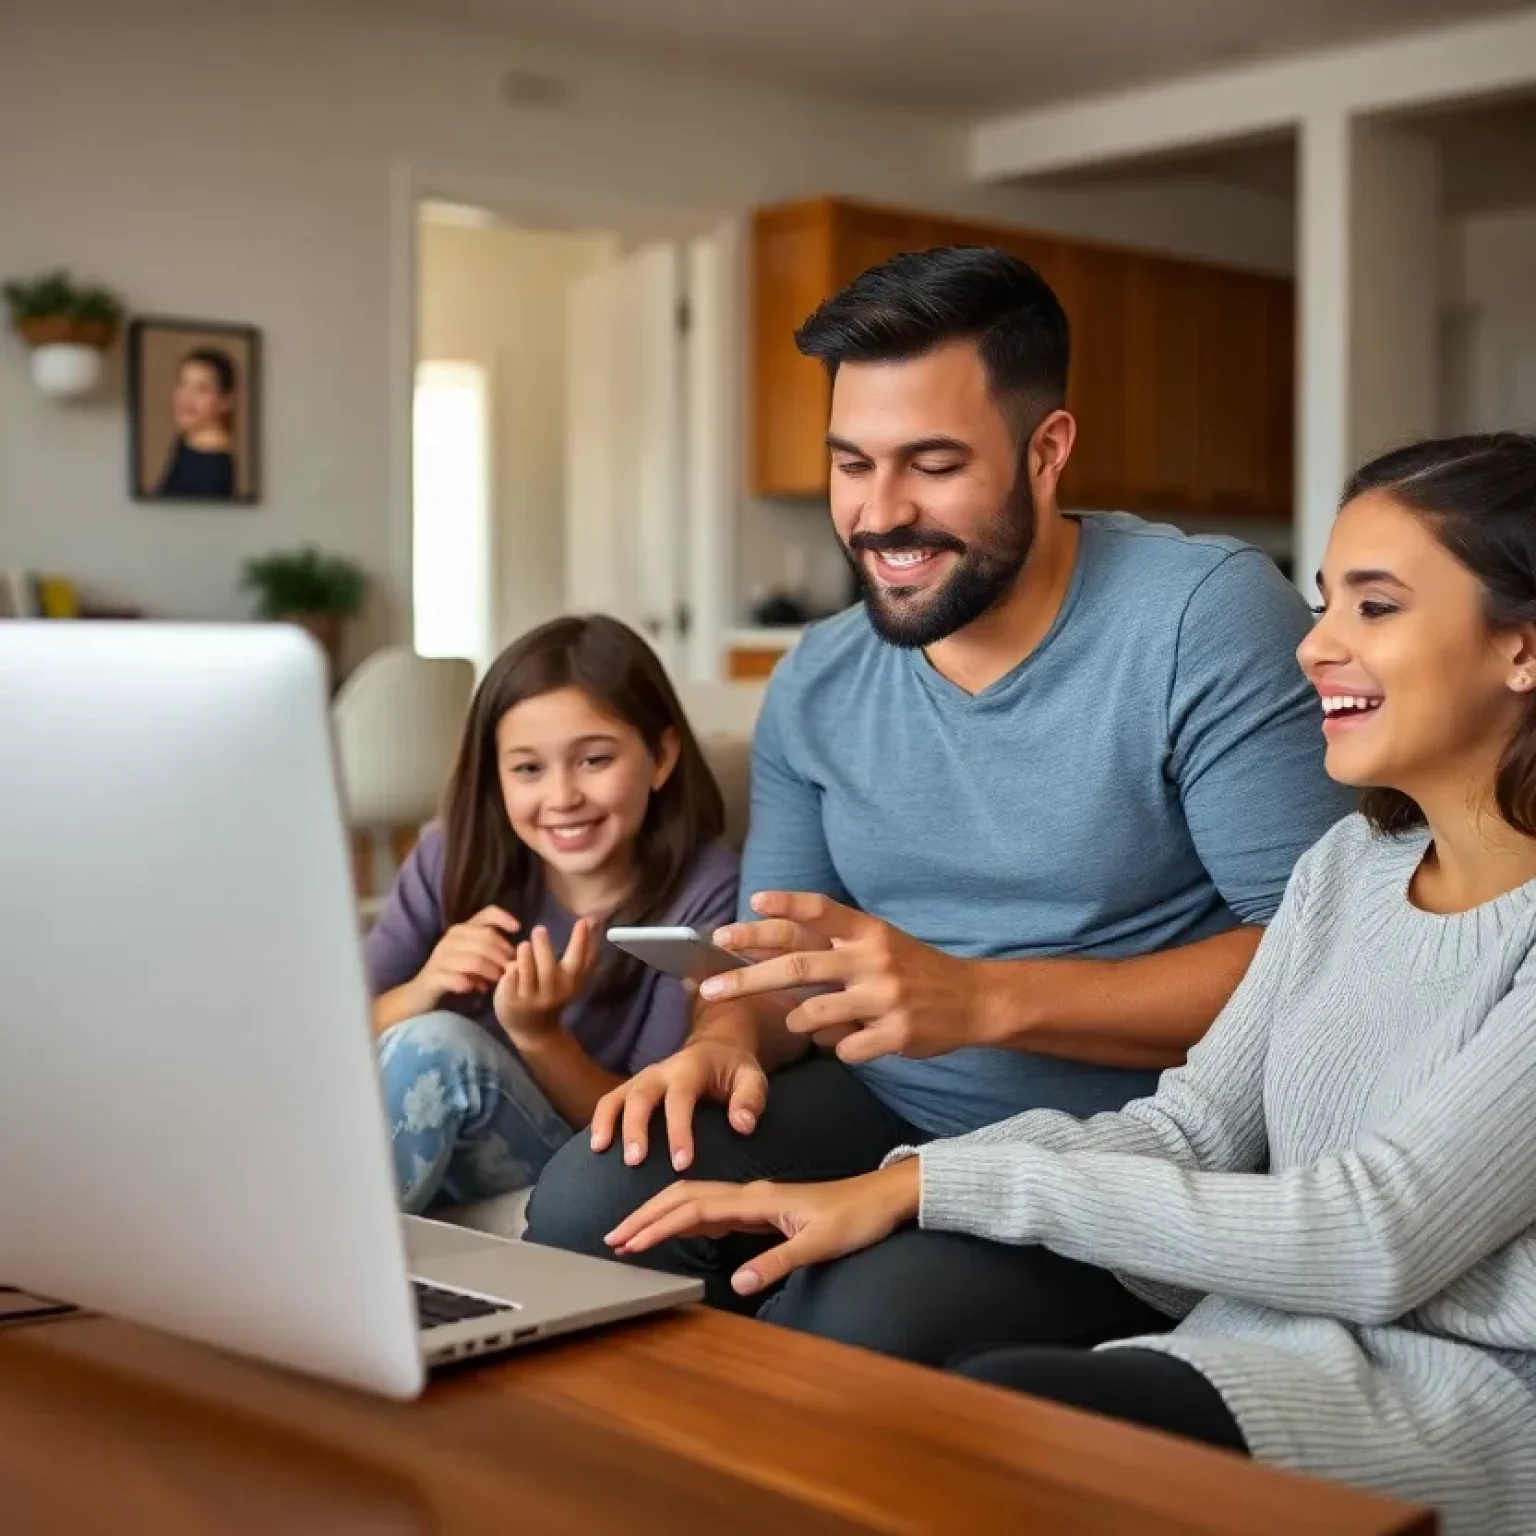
[
  {"x": 923, "y": 1296},
  {"x": 1141, "y": 1386}
]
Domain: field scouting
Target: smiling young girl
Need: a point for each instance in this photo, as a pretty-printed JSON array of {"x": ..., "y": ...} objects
[{"x": 580, "y": 799}]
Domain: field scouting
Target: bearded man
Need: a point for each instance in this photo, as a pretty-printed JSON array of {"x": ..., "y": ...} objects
[{"x": 1018, "y": 820}]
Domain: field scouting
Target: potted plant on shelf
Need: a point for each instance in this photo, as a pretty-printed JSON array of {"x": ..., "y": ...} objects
[
  {"x": 69, "y": 328},
  {"x": 316, "y": 591}
]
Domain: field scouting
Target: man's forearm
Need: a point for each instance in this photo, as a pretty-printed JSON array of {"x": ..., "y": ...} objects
[
  {"x": 1142, "y": 1012},
  {"x": 755, "y": 1023}
]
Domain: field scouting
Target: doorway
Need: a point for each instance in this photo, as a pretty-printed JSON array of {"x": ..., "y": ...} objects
[{"x": 572, "y": 426}]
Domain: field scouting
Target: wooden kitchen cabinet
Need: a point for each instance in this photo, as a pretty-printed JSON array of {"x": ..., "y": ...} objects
[
  {"x": 1095, "y": 291},
  {"x": 1182, "y": 377},
  {"x": 803, "y": 253},
  {"x": 792, "y": 272},
  {"x": 1161, "y": 370},
  {"x": 864, "y": 237}
]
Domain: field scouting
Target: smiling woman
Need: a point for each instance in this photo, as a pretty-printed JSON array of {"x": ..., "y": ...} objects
[
  {"x": 1423, "y": 648},
  {"x": 1329, "y": 1211}
]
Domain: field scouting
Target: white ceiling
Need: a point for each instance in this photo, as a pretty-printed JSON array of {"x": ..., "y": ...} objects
[
  {"x": 966, "y": 57},
  {"x": 1487, "y": 158}
]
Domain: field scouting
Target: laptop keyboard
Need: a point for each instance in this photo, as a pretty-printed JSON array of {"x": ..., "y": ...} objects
[{"x": 437, "y": 1307}]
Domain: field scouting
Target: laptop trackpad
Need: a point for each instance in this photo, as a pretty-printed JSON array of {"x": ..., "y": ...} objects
[
  {"x": 460, "y": 1258},
  {"x": 426, "y": 1241}
]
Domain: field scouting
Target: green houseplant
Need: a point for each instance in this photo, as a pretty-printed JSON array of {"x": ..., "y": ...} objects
[
  {"x": 54, "y": 310},
  {"x": 317, "y": 591}
]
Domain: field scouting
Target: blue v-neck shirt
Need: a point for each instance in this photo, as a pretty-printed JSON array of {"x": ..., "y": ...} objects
[{"x": 1146, "y": 777}]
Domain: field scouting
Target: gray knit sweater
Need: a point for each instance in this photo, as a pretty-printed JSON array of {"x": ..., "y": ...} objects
[{"x": 1336, "y": 1195}]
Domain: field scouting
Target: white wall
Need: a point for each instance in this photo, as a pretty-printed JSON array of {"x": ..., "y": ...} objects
[
  {"x": 1491, "y": 279},
  {"x": 1394, "y": 289},
  {"x": 231, "y": 160},
  {"x": 786, "y": 544},
  {"x": 497, "y": 297}
]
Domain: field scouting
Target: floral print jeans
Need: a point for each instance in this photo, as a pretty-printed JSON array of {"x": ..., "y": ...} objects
[{"x": 466, "y": 1120}]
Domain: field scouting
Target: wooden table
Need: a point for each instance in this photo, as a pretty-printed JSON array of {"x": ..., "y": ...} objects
[{"x": 695, "y": 1422}]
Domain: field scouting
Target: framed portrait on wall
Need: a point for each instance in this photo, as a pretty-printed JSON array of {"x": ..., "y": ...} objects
[{"x": 194, "y": 411}]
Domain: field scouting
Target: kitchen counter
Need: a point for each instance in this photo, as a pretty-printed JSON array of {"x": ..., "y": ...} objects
[{"x": 765, "y": 636}]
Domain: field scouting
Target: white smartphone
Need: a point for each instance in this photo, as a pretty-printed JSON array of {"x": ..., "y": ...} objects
[{"x": 681, "y": 952}]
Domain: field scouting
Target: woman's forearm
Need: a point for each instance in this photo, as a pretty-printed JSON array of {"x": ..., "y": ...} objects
[{"x": 1365, "y": 1234}]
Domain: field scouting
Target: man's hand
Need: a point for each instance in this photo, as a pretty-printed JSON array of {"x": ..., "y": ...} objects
[
  {"x": 702, "y": 1069},
  {"x": 819, "y": 1221},
  {"x": 770, "y": 939},
  {"x": 892, "y": 994}
]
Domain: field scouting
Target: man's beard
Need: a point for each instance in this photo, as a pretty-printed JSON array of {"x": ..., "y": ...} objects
[{"x": 984, "y": 573}]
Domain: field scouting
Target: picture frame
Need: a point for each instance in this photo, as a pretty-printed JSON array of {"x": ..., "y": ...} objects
[{"x": 194, "y": 411}]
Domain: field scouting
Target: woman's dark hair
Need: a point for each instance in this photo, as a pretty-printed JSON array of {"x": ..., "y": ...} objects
[
  {"x": 911, "y": 304},
  {"x": 486, "y": 862},
  {"x": 1478, "y": 496},
  {"x": 220, "y": 363}
]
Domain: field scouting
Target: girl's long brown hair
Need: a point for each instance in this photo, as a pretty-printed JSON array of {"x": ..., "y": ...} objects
[{"x": 486, "y": 862}]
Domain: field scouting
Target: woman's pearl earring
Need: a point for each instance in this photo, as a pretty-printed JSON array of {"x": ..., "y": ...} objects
[{"x": 1520, "y": 682}]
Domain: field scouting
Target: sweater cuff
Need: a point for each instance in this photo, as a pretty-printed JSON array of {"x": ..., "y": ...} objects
[{"x": 967, "y": 1188}]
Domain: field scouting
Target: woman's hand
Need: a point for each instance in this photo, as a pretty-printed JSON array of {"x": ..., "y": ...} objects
[
  {"x": 819, "y": 1221},
  {"x": 470, "y": 957},
  {"x": 537, "y": 984}
]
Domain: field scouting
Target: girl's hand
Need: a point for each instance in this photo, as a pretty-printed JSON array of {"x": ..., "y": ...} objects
[
  {"x": 819, "y": 1221},
  {"x": 470, "y": 957},
  {"x": 537, "y": 985}
]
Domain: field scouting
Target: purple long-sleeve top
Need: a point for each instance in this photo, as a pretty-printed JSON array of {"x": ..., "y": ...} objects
[{"x": 642, "y": 1027}]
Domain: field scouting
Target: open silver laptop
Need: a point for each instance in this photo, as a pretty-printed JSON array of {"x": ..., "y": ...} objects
[{"x": 192, "y": 1133}]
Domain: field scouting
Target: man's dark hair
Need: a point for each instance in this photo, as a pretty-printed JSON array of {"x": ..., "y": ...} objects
[{"x": 913, "y": 303}]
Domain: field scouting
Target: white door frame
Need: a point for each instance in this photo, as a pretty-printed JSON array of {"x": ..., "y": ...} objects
[
  {"x": 529, "y": 202},
  {"x": 714, "y": 441}
]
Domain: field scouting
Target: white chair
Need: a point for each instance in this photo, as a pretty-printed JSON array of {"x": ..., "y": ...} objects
[{"x": 397, "y": 721}]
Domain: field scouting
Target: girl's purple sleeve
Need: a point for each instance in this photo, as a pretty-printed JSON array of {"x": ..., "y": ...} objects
[
  {"x": 411, "y": 922},
  {"x": 707, "y": 902}
]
